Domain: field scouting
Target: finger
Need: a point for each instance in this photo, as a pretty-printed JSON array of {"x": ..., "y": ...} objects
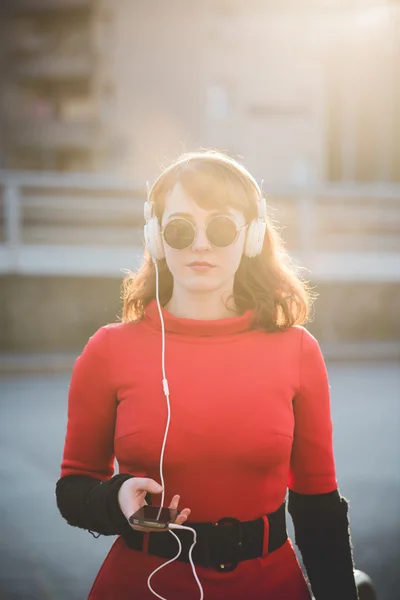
[
  {"x": 183, "y": 516},
  {"x": 175, "y": 501}
]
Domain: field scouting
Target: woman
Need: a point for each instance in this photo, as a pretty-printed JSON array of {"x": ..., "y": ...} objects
[{"x": 249, "y": 408}]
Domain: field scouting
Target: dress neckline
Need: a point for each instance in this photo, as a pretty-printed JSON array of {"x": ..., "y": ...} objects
[{"x": 197, "y": 327}]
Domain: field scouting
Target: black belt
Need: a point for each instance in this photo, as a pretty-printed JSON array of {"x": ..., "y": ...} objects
[{"x": 221, "y": 545}]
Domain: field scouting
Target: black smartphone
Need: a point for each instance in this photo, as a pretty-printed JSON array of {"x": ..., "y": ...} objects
[{"x": 154, "y": 516}]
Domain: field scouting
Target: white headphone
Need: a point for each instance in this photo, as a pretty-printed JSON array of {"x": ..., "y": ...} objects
[{"x": 254, "y": 237}]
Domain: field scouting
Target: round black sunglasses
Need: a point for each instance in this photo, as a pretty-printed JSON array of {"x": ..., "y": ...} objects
[{"x": 221, "y": 231}]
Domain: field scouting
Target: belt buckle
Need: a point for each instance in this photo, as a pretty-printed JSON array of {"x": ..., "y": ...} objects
[{"x": 227, "y": 543}]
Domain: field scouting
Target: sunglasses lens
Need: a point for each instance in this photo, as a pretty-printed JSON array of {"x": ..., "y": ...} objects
[
  {"x": 221, "y": 231},
  {"x": 178, "y": 234}
]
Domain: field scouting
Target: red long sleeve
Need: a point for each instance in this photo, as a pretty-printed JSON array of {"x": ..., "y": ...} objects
[
  {"x": 89, "y": 442},
  {"x": 312, "y": 468}
]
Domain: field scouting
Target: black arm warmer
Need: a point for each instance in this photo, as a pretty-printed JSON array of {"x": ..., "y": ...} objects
[
  {"x": 91, "y": 504},
  {"x": 322, "y": 535}
]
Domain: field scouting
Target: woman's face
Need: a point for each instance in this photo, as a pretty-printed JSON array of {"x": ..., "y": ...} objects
[{"x": 223, "y": 262}]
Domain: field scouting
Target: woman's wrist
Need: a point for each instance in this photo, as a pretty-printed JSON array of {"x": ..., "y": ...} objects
[{"x": 91, "y": 504}]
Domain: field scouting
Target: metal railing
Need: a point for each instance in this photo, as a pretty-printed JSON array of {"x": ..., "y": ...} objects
[{"x": 79, "y": 223}]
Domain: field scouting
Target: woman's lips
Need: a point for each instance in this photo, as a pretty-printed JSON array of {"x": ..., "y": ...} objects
[{"x": 200, "y": 266}]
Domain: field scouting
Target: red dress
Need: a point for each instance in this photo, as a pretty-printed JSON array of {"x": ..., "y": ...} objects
[{"x": 250, "y": 417}]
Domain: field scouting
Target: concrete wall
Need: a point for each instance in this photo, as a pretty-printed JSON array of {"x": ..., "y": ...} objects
[
  {"x": 59, "y": 314},
  {"x": 46, "y": 314}
]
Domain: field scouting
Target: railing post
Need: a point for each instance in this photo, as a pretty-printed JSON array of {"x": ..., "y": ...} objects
[{"x": 12, "y": 224}]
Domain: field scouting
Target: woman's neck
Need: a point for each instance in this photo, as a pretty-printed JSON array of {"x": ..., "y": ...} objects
[{"x": 204, "y": 307}]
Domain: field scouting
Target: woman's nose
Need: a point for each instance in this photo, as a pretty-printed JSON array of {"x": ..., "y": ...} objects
[{"x": 201, "y": 241}]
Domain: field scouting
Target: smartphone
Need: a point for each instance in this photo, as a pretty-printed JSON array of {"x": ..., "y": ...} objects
[{"x": 154, "y": 516}]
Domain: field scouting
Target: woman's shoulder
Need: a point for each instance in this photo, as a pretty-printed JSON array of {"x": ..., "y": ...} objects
[
  {"x": 299, "y": 332},
  {"x": 293, "y": 334},
  {"x": 298, "y": 338},
  {"x": 120, "y": 329},
  {"x": 111, "y": 332}
]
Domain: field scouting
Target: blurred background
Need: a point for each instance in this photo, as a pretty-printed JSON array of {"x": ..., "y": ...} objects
[{"x": 96, "y": 95}]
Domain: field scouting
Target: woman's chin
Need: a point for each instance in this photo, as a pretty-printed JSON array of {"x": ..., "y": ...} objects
[{"x": 201, "y": 285}]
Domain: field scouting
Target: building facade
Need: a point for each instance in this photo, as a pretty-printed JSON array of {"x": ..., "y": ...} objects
[
  {"x": 96, "y": 94},
  {"x": 303, "y": 91}
]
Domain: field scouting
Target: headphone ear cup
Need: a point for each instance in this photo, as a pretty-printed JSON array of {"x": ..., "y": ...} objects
[
  {"x": 261, "y": 229},
  {"x": 158, "y": 240},
  {"x": 255, "y": 238},
  {"x": 256, "y": 231},
  {"x": 152, "y": 238},
  {"x": 251, "y": 240},
  {"x": 148, "y": 210}
]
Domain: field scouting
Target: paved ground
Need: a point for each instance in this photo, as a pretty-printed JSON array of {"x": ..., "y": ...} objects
[{"x": 42, "y": 558}]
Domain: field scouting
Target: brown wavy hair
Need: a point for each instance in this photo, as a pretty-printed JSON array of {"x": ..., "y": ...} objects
[{"x": 268, "y": 283}]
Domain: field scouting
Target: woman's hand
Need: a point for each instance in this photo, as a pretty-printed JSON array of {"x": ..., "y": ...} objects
[{"x": 131, "y": 497}]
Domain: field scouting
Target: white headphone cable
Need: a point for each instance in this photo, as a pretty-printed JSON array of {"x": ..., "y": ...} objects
[{"x": 166, "y": 393}]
